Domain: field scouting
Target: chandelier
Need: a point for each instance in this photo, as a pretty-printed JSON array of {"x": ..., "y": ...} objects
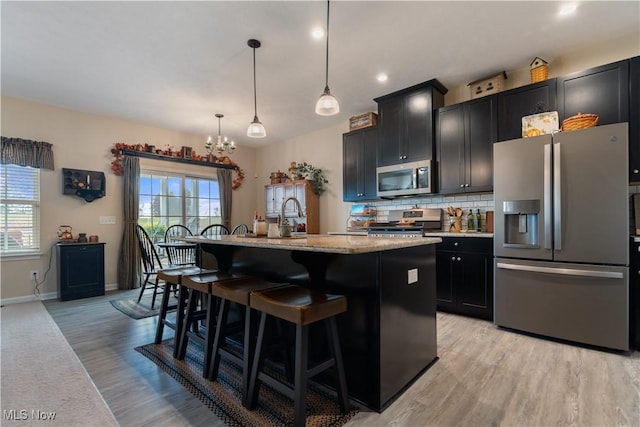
[{"x": 223, "y": 144}]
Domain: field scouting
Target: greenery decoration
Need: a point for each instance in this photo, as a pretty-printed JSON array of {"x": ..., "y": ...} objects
[{"x": 314, "y": 175}]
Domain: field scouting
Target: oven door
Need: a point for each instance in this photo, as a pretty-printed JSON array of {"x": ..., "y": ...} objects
[{"x": 405, "y": 179}]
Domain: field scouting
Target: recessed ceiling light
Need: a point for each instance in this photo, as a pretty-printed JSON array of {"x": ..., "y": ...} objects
[
  {"x": 317, "y": 33},
  {"x": 567, "y": 9},
  {"x": 382, "y": 77}
]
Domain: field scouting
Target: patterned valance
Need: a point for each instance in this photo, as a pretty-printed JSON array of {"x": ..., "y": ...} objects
[{"x": 24, "y": 152}]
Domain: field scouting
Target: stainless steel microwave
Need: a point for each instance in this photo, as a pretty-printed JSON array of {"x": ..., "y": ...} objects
[{"x": 406, "y": 179}]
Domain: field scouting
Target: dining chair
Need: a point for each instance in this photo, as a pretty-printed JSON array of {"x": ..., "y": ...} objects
[
  {"x": 179, "y": 255},
  {"x": 151, "y": 263},
  {"x": 214, "y": 230},
  {"x": 240, "y": 229}
]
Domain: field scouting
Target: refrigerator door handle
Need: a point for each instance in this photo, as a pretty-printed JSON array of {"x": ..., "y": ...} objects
[
  {"x": 557, "y": 198},
  {"x": 547, "y": 196},
  {"x": 563, "y": 271}
]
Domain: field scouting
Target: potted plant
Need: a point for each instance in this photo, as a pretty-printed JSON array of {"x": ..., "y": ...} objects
[{"x": 314, "y": 175}]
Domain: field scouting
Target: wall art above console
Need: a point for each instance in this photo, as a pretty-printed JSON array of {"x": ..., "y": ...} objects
[{"x": 89, "y": 185}]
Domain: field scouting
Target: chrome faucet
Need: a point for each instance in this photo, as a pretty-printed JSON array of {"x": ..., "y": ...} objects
[{"x": 284, "y": 203}]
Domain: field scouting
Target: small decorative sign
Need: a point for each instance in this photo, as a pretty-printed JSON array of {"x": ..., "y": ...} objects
[
  {"x": 186, "y": 152},
  {"x": 540, "y": 124},
  {"x": 363, "y": 121}
]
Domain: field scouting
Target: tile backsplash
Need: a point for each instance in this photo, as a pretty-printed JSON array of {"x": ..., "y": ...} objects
[
  {"x": 482, "y": 201},
  {"x": 475, "y": 201}
]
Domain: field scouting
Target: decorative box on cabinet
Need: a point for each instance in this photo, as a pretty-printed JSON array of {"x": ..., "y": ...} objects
[
  {"x": 405, "y": 123},
  {"x": 464, "y": 276},
  {"x": 516, "y": 103},
  {"x": 359, "y": 165},
  {"x": 634, "y": 119},
  {"x": 465, "y": 134},
  {"x": 275, "y": 194},
  {"x": 80, "y": 270}
]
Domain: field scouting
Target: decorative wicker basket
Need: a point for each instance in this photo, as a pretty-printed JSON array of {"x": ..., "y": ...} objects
[
  {"x": 539, "y": 74},
  {"x": 580, "y": 121}
]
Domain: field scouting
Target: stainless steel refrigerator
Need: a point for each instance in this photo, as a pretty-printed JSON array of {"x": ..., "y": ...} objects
[{"x": 561, "y": 235}]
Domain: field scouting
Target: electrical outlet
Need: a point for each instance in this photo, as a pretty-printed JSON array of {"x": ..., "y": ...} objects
[
  {"x": 412, "y": 276},
  {"x": 34, "y": 276}
]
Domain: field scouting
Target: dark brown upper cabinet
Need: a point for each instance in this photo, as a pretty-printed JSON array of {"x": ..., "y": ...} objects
[
  {"x": 465, "y": 134},
  {"x": 515, "y": 103},
  {"x": 406, "y": 123},
  {"x": 359, "y": 165},
  {"x": 601, "y": 90},
  {"x": 634, "y": 119}
]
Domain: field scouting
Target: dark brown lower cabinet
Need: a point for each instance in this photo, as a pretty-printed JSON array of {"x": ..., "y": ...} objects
[
  {"x": 80, "y": 270},
  {"x": 634, "y": 296},
  {"x": 464, "y": 276}
]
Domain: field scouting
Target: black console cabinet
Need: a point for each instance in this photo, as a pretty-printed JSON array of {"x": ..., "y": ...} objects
[{"x": 80, "y": 270}]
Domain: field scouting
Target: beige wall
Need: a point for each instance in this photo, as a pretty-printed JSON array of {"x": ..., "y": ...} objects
[
  {"x": 84, "y": 141},
  {"x": 322, "y": 149},
  {"x": 581, "y": 59}
]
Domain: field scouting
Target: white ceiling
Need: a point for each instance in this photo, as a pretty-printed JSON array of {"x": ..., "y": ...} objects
[{"x": 176, "y": 64}]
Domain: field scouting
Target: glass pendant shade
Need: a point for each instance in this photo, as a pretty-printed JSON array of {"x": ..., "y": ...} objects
[
  {"x": 327, "y": 105},
  {"x": 256, "y": 130}
]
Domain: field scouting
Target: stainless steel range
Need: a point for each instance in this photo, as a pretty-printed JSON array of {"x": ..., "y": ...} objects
[{"x": 408, "y": 223}]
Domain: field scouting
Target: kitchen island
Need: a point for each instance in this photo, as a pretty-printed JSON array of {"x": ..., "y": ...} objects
[{"x": 388, "y": 334}]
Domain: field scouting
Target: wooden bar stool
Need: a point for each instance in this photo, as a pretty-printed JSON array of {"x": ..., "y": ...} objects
[
  {"x": 173, "y": 278},
  {"x": 301, "y": 307},
  {"x": 195, "y": 288},
  {"x": 237, "y": 291}
]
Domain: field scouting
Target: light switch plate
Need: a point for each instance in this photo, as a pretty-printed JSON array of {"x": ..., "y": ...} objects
[
  {"x": 107, "y": 220},
  {"x": 412, "y": 276}
]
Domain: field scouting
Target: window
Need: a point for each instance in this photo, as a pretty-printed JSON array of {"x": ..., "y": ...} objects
[
  {"x": 19, "y": 209},
  {"x": 169, "y": 198}
]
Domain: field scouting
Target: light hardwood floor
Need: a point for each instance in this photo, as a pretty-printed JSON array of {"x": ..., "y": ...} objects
[{"x": 485, "y": 376}]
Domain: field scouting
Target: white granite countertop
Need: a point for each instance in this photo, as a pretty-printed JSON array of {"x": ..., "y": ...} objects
[
  {"x": 321, "y": 243},
  {"x": 460, "y": 234}
]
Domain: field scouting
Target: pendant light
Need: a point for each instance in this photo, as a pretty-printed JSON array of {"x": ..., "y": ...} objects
[
  {"x": 327, "y": 105},
  {"x": 223, "y": 144},
  {"x": 256, "y": 130}
]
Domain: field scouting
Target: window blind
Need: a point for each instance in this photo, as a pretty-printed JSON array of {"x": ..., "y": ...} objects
[{"x": 19, "y": 209}]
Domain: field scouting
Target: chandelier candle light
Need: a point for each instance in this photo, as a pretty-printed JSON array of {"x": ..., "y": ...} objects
[
  {"x": 327, "y": 105},
  {"x": 256, "y": 130},
  {"x": 223, "y": 144}
]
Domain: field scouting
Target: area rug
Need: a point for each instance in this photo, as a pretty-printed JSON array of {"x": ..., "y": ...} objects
[
  {"x": 223, "y": 396},
  {"x": 138, "y": 310}
]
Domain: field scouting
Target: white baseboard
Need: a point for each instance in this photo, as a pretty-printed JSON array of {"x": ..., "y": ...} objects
[{"x": 45, "y": 296}]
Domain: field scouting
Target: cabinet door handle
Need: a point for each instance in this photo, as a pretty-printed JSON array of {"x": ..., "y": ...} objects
[
  {"x": 458, "y": 259},
  {"x": 636, "y": 171},
  {"x": 453, "y": 258},
  {"x": 461, "y": 185},
  {"x": 455, "y": 244}
]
